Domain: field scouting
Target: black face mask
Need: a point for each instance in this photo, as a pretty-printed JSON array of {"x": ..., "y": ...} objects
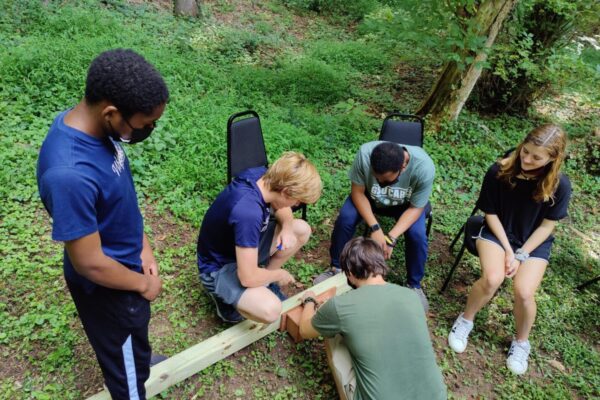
[
  {"x": 386, "y": 184},
  {"x": 350, "y": 283},
  {"x": 137, "y": 134}
]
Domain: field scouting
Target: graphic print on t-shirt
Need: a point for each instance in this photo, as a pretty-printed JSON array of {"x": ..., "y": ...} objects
[
  {"x": 265, "y": 222},
  {"x": 390, "y": 195},
  {"x": 119, "y": 163}
]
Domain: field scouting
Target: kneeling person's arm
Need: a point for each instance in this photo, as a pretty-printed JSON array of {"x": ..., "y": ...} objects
[
  {"x": 249, "y": 273},
  {"x": 325, "y": 322},
  {"x": 307, "y": 331}
]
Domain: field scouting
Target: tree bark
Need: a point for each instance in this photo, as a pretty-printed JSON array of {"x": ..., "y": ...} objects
[
  {"x": 186, "y": 8},
  {"x": 454, "y": 84}
]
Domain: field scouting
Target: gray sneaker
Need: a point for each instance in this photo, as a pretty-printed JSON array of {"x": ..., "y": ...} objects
[
  {"x": 423, "y": 298},
  {"x": 326, "y": 275}
]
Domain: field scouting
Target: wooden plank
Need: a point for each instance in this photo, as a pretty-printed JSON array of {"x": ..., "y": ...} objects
[{"x": 204, "y": 354}]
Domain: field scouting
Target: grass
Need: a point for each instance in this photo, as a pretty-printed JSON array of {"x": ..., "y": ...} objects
[{"x": 319, "y": 86}]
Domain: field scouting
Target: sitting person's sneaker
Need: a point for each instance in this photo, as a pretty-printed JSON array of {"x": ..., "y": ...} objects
[
  {"x": 156, "y": 358},
  {"x": 326, "y": 275},
  {"x": 423, "y": 298},
  {"x": 273, "y": 287},
  {"x": 459, "y": 335},
  {"x": 226, "y": 312},
  {"x": 517, "y": 356}
]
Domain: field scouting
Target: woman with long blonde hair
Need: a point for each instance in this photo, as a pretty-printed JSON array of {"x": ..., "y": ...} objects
[{"x": 523, "y": 196}]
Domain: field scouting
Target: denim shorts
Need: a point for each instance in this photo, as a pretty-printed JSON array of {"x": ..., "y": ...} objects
[
  {"x": 541, "y": 252},
  {"x": 224, "y": 282}
]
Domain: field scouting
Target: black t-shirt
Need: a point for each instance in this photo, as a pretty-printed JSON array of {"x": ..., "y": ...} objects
[{"x": 519, "y": 214}]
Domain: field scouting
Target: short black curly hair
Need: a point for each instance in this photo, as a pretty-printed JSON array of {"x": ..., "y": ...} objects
[
  {"x": 387, "y": 157},
  {"x": 127, "y": 80}
]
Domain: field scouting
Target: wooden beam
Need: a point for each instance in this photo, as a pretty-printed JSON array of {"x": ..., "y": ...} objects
[{"x": 204, "y": 354}]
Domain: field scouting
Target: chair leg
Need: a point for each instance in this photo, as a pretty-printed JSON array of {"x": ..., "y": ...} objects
[
  {"x": 588, "y": 283},
  {"x": 458, "y": 234},
  {"x": 451, "y": 272},
  {"x": 429, "y": 223}
]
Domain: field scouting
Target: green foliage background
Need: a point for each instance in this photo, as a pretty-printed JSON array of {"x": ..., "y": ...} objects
[{"x": 320, "y": 88}]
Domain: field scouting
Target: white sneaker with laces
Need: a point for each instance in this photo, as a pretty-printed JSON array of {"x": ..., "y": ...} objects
[
  {"x": 517, "y": 356},
  {"x": 459, "y": 334}
]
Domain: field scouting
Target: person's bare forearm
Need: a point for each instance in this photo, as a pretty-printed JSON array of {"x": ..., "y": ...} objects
[
  {"x": 406, "y": 220},
  {"x": 284, "y": 216},
  {"x": 539, "y": 235},
  {"x": 114, "y": 275},
  {"x": 259, "y": 277},
  {"x": 89, "y": 260},
  {"x": 363, "y": 206},
  {"x": 306, "y": 329},
  {"x": 493, "y": 222},
  {"x": 249, "y": 273}
]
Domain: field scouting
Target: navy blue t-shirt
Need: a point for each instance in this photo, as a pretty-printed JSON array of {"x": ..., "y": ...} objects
[
  {"x": 85, "y": 184},
  {"x": 238, "y": 217}
]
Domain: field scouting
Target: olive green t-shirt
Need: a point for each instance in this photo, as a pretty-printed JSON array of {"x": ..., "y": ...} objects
[
  {"x": 414, "y": 183},
  {"x": 386, "y": 333}
]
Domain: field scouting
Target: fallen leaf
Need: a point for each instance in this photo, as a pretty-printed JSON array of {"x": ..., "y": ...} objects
[{"x": 558, "y": 365}]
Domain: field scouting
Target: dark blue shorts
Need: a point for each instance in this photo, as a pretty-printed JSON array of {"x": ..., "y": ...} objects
[
  {"x": 224, "y": 282},
  {"x": 542, "y": 251}
]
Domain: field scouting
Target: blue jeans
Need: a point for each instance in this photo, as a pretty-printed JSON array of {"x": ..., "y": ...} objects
[{"x": 415, "y": 238}]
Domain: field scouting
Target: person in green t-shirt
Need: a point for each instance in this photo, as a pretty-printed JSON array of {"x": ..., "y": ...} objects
[
  {"x": 378, "y": 345},
  {"x": 393, "y": 180}
]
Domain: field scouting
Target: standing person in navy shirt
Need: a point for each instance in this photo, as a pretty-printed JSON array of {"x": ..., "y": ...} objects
[
  {"x": 241, "y": 249},
  {"x": 523, "y": 196},
  {"x": 85, "y": 183}
]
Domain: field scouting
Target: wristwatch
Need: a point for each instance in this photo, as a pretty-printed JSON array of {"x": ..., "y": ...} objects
[
  {"x": 521, "y": 255},
  {"x": 310, "y": 299},
  {"x": 374, "y": 228}
]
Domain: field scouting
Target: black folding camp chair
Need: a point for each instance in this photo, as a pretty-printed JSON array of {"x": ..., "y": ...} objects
[
  {"x": 406, "y": 129},
  {"x": 246, "y": 146},
  {"x": 471, "y": 230}
]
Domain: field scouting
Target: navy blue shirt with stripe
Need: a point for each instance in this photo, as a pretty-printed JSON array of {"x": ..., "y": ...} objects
[
  {"x": 238, "y": 217},
  {"x": 86, "y": 185}
]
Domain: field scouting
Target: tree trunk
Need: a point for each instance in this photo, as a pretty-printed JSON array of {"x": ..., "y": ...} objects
[
  {"x": 454, "y": 85},
  {"x": 186, "y": 8}
]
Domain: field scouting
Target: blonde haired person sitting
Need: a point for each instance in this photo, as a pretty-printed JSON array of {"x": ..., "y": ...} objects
[
  {"x": 241, "y": 247},
  {"x": 522, "y": 196}
]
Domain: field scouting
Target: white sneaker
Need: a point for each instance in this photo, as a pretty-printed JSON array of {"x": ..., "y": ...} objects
[
  {"x": 517, "y": 356},
  {"x": 459, "y": 335}
]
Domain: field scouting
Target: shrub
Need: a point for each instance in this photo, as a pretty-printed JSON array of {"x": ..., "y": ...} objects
[{"x": 355, "y": 9}]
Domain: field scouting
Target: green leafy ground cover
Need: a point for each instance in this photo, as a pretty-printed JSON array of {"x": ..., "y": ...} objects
[{"x": 320, "y": 85}]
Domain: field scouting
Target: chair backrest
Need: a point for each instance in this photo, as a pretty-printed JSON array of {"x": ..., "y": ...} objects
[
  {"x": 245, "y": 143},
  {"x": 403, "y": 128}
]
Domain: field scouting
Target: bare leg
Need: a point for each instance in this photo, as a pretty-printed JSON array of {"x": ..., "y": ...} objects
[
  {"x": 491, "y": 257},
  {"x": 528, "y": 279},
  {"x": 259, "y": 304},
  {"x": 301, "y": 231}
]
